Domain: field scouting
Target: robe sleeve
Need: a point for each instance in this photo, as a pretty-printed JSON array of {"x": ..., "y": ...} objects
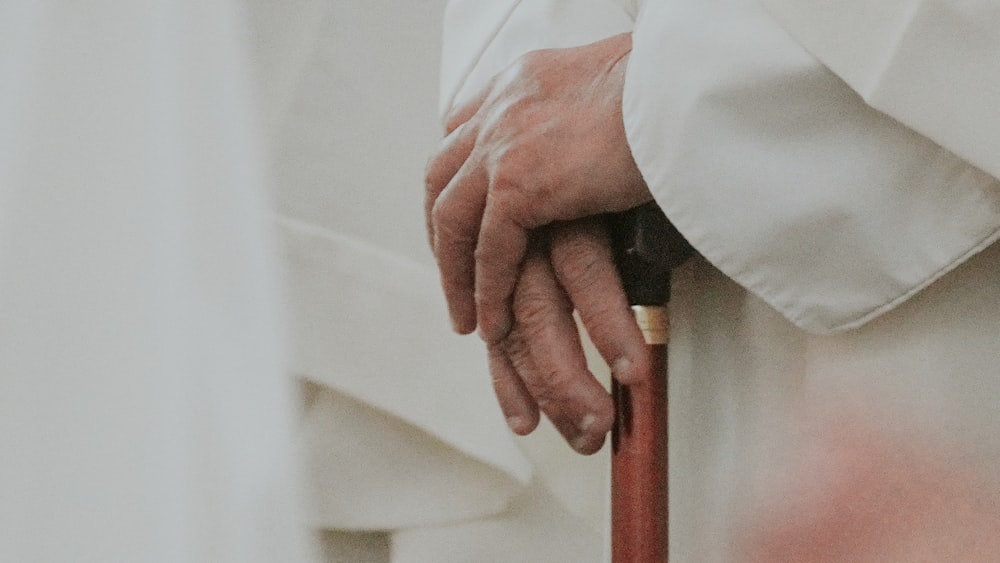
[
  {"x": 909, "y": 59},
  {"x": 784, "y": 177}
]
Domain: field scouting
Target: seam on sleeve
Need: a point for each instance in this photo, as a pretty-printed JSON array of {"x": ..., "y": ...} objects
[{"x": 856, "y": 322}]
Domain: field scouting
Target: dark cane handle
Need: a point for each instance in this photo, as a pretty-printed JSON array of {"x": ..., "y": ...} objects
[{"x": 647, "y": 247}]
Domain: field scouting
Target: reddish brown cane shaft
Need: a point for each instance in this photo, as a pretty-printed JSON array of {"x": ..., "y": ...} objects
[
  {"x": 639, "y": 467},
  {"x": 646, "y": 247}
]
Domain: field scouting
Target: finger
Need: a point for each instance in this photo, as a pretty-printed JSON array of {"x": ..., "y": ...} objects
[
  {"x": 464, "y": 112},
  {"x": 545, "y": 350},
  {"x": 516, "y": 403},
  {"x": 584, "y": 264},
  {"x": 442, "y": 167},
  {"x": 455, "y": 220},
  {"x": 500, "y": 250}
]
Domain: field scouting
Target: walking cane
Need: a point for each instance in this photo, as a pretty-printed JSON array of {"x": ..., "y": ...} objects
[{"x": 646, "y": 248}]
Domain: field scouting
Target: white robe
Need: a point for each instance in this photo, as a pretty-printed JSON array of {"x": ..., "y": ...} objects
[
  {"x": 847, "y": 278},
  {"x": 145, "y": 414}
]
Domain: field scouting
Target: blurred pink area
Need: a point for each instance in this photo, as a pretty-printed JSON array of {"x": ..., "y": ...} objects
[{"x": 858, "y": 492}]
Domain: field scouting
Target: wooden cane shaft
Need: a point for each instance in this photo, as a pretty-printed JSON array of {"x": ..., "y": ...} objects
[
  {"x": 646, "y": 247},
  {"x": 639, "y": 467}
]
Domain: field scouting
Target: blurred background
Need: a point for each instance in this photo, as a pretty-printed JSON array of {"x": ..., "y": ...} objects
[{"x": 221, "y": 336}]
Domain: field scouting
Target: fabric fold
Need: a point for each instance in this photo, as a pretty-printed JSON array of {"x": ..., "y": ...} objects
[
  {"x": 724, "y": 113},
  {"x": 535, "y": 530},
  {"x": 363, "y": 323},
  {"x": 370, "y": 470},
  {"x": 907, "y": 58}
]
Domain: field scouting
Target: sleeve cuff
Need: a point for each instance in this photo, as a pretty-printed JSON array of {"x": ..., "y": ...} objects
[{"x": 785, "y": 179}]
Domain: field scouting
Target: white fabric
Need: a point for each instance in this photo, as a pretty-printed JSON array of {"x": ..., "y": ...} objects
[
  {"x": 750, "y": 393},
  {"x": 144, "y": 408},
  {"x": 146, "y": 405},
  {"x": 865, "y": 246},
  {"x": 390, "y": 475},
  {"x": 783, "y": 178},
  {"x": 535, "y": 529},
  {"x": 401, "y": 430},
  {"x": 908, "y": 58}
]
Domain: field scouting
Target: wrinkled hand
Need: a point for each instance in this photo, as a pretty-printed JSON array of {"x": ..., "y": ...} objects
[
  {"x": 544, "y": 142},
  {"x": 539, "y": 364}
]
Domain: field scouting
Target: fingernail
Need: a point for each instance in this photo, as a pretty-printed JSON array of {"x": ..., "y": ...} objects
[
  {"x": 621, "y": 369},
  {"x": 490, "y": 333},
  {"x": 462, "y": 325},
  {"x": 580, "y": 443},
  {"x": 516, "y": 424}
]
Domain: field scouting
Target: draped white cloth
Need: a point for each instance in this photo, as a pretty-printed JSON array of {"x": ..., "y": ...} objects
[
  {"x": 145, "y": 414},
  {"x": 841, "y": 324},
  {"x": 203, "y": 205},
  {"x": 908, "y": 58},
  {"x": 402, "y": 433}
]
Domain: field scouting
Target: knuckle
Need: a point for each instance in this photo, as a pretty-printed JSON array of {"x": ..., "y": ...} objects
[
  {"x": 604, "y": 333},
  {"x": 533, "y": 62},
  {"x": 432, "y": 179},
  {"x": 551, "y": 387},
  {"x": 534, "y": 308},
  {"x": 518, "y": 352},
  {"x": 491, "y": 287},
  {"x": 446, "y": 228},
  {"x": 442, "y": 165},
  {"x": 557, "y": 384},
  {"x": 522, "y": 189},
  {"x": 508, "y": 172},
  {"x": 439, "y": 212},
  {"x": 429, "y": 168},
  {"x": 581, "y": 267},
  {"x": 454, "y": 120}
]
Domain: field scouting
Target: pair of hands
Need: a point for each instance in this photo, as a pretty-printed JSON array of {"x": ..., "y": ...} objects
[{"x": 511, "y": 204}]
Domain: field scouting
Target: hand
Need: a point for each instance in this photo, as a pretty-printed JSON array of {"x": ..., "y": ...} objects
[
  {"x": 539, "y": 364},
  {"x": 544, "y": 142}
]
